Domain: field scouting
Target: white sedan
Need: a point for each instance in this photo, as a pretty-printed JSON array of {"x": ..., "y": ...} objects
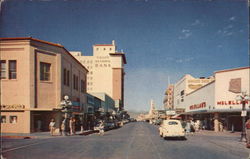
[{"x": 171, "y": 128}]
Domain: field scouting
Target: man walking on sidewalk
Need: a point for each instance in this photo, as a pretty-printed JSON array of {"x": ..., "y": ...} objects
[{"x": 248, "y": 133}]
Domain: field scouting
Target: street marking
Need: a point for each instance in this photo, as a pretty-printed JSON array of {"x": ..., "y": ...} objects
[
  {"x": 129, "y": 145},
  {"x": 16, "y": 148},
  {"x": 155, "y": 147}
]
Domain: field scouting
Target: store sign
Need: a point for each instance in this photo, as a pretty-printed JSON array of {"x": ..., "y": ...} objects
[
  {"x": 76, "y": 106},
  {"x": 197, "y": 106},
  {"x": 235, "y": 85},
  {"x": 13, "y": 107},
  {"x": 231, "y": 102},
  {"x": 170, "y": 112}
]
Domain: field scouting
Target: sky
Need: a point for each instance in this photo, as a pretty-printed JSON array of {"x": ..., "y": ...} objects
[{"x": 163, "y": 39}]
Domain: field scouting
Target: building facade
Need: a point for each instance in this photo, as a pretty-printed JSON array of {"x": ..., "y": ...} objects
[
  {"x": 186, "y": 85},
  {"x": 106, "y": 71},
  {"x": 168, "y": 100},
  {"x": 35, "y": 76},
  {"x": 215, "y": 103}
]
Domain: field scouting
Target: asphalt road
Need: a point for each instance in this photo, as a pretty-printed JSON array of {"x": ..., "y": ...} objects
[{"x": 137, "y": 140}]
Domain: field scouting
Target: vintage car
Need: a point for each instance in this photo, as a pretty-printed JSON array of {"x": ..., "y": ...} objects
[{"x": 171, "y": 128}]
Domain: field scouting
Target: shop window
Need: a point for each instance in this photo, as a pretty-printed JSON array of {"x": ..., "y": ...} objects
[
  {"x": 12, "y": 69},
  {"x": 3, "y": 119},
  {"x": 13, "y": 119},
  {"x": 44, "y": 71},
  {"x": 3, "y": 69}
]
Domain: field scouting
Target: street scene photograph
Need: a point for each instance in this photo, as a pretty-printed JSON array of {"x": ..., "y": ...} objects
[{"x": 124, "y": 79}]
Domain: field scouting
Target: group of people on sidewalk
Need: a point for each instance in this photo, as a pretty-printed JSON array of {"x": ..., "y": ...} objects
[{"x": 63, "y": 127}]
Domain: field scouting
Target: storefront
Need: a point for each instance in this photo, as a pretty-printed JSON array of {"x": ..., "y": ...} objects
[{"x": 215, "y": 103}]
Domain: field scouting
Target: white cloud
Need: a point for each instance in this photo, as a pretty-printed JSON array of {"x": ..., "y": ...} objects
[
  {"x": 196, "y": 22},
  {"x": 232, "y": 18},
  {"x": 226, "y": 31},
  {"x": 185, "y": 33},
  {"x": 219, "y": 46}
]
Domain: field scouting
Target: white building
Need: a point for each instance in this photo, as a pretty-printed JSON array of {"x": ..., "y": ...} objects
[
  {"x": 215, "y": 102},
  {"x": 106, "y": 71},
  {"x": 186, "y": 85}
]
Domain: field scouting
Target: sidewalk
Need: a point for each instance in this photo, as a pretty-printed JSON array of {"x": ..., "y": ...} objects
[
  {"x": 224, "y": 133},
  {"x": 40, "y": 135}
]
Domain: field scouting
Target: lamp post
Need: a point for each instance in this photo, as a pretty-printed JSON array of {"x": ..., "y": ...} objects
[
  {"x": 243, "y": 98},
  {"x": 66, "y": 105}
]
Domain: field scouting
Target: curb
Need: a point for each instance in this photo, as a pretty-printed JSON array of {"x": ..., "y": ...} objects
[{"x": 19, "y": 137}]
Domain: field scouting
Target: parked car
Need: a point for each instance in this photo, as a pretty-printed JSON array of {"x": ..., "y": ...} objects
[{"x": 171, "y": 128}]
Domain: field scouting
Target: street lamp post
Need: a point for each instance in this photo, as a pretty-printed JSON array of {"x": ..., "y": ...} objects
[
  {"x": 243, "y": 99},
  {"x": 66, "y": 109}
]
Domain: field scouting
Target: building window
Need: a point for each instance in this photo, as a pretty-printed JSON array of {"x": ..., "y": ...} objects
[
  {"x": 110, "y": 49},
  {"x": 182, "y": 92},
  {"x": 44, "y": 71},
  {"x": 12, "y": 69},
  {"x": 97, "y": 49},
  {"x": 75, "y": 82},
  {"x": 3, "y": 119},
  {"x": 65, "y": 76},
  {"x": 68, "y": 78},
  {"x": 83, "y": 86},
  {"x": 3, "y": 69},
  {"x": 13, "y": 119},
  {"x": 104, "y": 48}
]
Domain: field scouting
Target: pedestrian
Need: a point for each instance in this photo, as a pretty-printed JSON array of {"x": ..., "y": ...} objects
[
  {"x": 101, "y": 128},
  {"x": 188, "y": 127},
  {"x": 63, "y": 129},
  {"x": 221, "y": 126},
  {"x": 72, "y": 126},
  {"x": 247, "y": 125},
  {"x": 52, "y": 126}
]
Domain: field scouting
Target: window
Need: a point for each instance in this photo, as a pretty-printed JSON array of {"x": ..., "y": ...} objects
[
  {"x": 182, "y": 92},
  {"x": 65, "y": 76},
  {"x": 172, "y": 123},
  {"x": 13, "y": 119},
  {"x": 3, "y": 119},
  {"x": 110, "y": 49},
  {"x": 83, "y": 87},
  {"x": 104, "y": 48},
  {"x": 12, "y": 69},
  {"x": 97, "y": 49},
  {"x": 44, "y": 71},
  {"x": 68, "y": 78},
  {"x": 75, "y": 82},
  {"x": 3, "y": 69}
]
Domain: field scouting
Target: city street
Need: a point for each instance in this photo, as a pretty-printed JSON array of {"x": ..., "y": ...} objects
[{"x": 133, "y": 141}]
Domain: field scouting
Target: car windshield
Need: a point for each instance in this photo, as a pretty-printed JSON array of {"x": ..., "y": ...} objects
[{"x": 172, "y": 123}]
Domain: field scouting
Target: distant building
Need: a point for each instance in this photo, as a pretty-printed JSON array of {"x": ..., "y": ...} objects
[
  {"x": 108, "y": 104},
  {"x": 35, "y": 76},
  {"x": 106, "y": 71},
  {"x": 186, "y": 85},
  {"x": 168, "y": 100}
]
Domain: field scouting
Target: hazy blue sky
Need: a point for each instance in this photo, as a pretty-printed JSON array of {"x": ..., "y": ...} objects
[{"x": 161, "y": 38}]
